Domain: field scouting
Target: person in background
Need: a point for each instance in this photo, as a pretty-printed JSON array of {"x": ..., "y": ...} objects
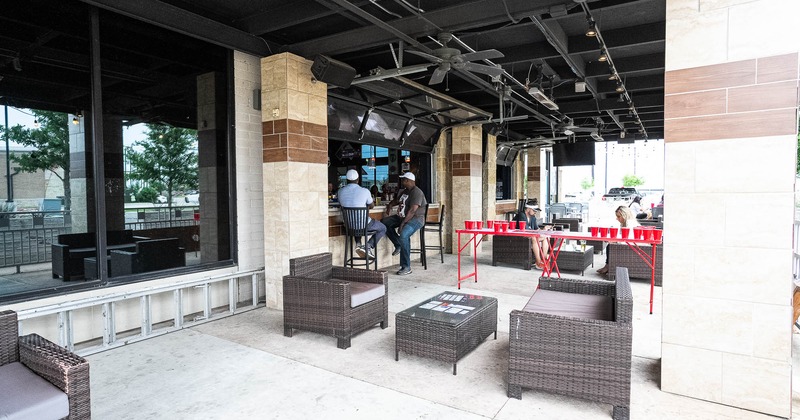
[
  {"x": 636, "y": 208},
  {"x": 354, "y": 195},
  {"x": 409, "y": 219},
  {"x": 626, "y": 219},
  {"x": 374, "y": 190},
  {"x": 531, "y": 223}
]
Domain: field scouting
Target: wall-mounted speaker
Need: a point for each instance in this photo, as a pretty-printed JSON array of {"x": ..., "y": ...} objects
[{"x": 332, "y": 72}]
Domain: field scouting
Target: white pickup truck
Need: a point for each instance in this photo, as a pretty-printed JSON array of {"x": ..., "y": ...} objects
[{"x": 622, "y": 195}]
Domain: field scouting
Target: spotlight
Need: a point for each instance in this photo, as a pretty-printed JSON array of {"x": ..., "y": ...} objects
[
  {"x": 603, "y": 56},
  {"x": 591, "y": 31},
  {"x": 620, "y": 88},
  {"x": 36, "y": 123},
  {"x": 75, "y": 120},
  {"x": 613, "y": 76}
]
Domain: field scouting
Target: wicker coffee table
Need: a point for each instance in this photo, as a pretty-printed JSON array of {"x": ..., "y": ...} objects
[
  {"x": 445, "y": 327},
  {"x": 577, "y": 260}
]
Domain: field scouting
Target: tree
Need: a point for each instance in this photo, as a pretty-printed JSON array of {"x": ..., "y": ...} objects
[
  {"x": 632, "y": 181},
  {"x": 51, "y": 147},
  {"x": 168, "y": 158},
  {"x": 587, "y": 184}
]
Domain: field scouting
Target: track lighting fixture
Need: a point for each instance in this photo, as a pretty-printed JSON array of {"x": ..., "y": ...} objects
[
  {"x": 75, "y": 120},
  {"x": 613, "y": 76},
  {"x": 620, "y": 88},
  {"x": 603, "y": 56},
  {"x": 591, "y": 31},
  {"x": 36, "y": 123}
]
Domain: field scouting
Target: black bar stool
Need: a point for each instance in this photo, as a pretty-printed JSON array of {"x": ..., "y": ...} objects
[
  {"x": 435, "y": 227},
  {"x": 421, "y": 250},
  {"x": 355, "y": 220}
]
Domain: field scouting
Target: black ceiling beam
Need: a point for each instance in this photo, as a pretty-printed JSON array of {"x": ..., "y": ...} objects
[
  {"x": 182, "y": 21},
  {"x": 589, "y": 106},
  {"x": 465, "y": 16}
]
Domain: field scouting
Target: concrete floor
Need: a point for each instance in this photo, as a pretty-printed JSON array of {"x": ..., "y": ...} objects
[{"x": 243, "y": 367}]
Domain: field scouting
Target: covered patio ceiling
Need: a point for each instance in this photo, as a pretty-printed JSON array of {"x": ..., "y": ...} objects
[{"x": 543, "y": 44}]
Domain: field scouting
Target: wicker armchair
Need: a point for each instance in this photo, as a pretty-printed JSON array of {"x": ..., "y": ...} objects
[
  {"x": 571, "y": 354},
  {"x": 34, "y": 357},
  {"x": 621, "y": 255},
  {"x": 319, "y": 297}
]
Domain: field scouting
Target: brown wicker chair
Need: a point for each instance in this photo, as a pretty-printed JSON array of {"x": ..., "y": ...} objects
[
  {"x": 513, "y": 250},
  {"x": 60, "y": 367},
  {"x": 621, "y": 255},
  {"x": 573, "y": 355},
  {"x": 318, "y": 297}
]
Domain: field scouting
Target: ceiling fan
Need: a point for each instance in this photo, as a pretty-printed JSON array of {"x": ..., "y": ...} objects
[
  {"x": 569, "y": 128},
  {"x": 451, "y": 58}
]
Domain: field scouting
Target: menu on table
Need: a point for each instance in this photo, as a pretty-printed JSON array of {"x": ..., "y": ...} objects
[{"x": 447, "y": 304}]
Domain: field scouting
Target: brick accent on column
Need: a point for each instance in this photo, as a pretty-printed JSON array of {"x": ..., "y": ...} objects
[
  {"x": 467, "y": 176},
  {"x": 466, "y": 164},
  {"x": 288, "y": 140},
  {"x": 750, "y": 98}
]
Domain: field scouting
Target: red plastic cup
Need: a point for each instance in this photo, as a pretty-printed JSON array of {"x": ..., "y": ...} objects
[
  {"x": 612, "y": 232},
  {"x": 522, "y": 225},
  {"x": 490, "y": 224},
  {"x": 638, "y": 233},
  {"x": 498, "y": 227},
  {"x": 603, "y": 232},
  {"x": 467, "y": 224},
  {"x": 504, "y": 226},
  {"x": 650, "y": 234},
  {"x": 595, "y": 230},
  {"x": 478, "y": 224},
  {"x": 657, "y": 234},
  {"x": 625, "y": 233}
]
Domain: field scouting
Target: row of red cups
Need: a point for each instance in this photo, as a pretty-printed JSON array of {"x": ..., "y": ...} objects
[
  {"x": 646, "y": 233},
  {"x": 496, "y": 225}
]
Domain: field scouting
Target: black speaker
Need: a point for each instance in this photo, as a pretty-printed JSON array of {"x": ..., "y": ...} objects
[{"x": 333, "y": 72}]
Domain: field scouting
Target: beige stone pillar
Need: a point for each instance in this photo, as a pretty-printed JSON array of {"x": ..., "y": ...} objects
[
  {"x": 467, "y": 176},
  {"x": 490, "y": 180},
  {"x": 82, "y": 208},
  {"x": 444, "y": 188},
  {"x": 534, "y": 187},
  {"x": 731, "y": 141},
  {"x": 295, "y": 127}
]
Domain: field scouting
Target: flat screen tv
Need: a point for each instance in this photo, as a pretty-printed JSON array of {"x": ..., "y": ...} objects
[{"x": 573, "y": 154}]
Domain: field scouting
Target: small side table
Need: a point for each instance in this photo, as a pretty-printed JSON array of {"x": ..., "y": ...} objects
[{"x": 579, "y": 260}]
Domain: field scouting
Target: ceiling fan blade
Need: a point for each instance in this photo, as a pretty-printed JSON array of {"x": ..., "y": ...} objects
[
  {"x": 438, "y": 76},
  {"x": 426, "y": 56},
  {"x": 480, "y": 68},
  {"x": 482, "y": 55}
]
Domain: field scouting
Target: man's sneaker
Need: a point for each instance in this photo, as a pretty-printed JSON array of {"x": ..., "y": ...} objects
[
  {"x": 371, "y": 253},
  {"x": 540, "y": 266},
  {"x": 360, "y": 252},
  {"x": 403, "y": 271},
  {"x": 396, "y": 251}
]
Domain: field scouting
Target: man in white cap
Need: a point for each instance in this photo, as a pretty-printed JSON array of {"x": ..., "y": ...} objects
[
  {"x": 410, "y": 218},
  {"x": 529, "y": 217},
  {"x": 354, "y": 195}
]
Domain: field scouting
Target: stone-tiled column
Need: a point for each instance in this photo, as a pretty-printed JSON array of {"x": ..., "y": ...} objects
[
  {"x": 731, "y": 124},
  {"x": 534, "y": 187},
  {"x": 294, "y": 115},
  {"x": 444, "y": 188},
  {"x": 467, "y": 176},
  {"x": 490, "y": 180}
]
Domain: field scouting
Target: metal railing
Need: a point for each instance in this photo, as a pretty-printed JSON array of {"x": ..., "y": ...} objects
[{"x": 149, "y": 327}]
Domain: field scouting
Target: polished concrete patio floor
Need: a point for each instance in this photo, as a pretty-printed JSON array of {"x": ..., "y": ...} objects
[{"x": 243, "y": 367}]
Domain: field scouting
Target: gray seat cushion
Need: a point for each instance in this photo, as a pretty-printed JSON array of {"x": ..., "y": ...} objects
[
  {"x": 27, "y": 395},
  {"x": 572, "y": 305},
  {"x": 361, "y": 293}
]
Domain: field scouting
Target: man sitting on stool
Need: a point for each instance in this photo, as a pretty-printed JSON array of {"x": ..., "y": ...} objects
[
  {"x": 408, "y": 220},
  {"x": 354, "y": 195}
]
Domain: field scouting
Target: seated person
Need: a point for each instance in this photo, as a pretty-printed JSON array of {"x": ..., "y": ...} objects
[
  {"x": 529, "y": 217},
  {"x": 636, "y": 208},
  {"x": 626, "y": 218}
]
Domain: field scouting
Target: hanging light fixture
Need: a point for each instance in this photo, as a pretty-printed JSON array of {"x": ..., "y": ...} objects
[
  {"x": 620, "y": 88},
  {"x": 591, "y": 32},
  {"x": 75, "y": 120},
  {"x": 36, "y": 123},
  {"x": 603, "y": 56}
]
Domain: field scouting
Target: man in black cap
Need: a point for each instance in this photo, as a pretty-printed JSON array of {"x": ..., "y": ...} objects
[{"x": 410, "y": 218}]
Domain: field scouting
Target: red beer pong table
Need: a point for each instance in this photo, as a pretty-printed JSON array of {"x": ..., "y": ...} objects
[{"x": 476, "y": 237}]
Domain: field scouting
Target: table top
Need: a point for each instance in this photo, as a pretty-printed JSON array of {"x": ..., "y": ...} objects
[
  {"x": 557, "y": 234},
  {"x": 448, "y": 307}
]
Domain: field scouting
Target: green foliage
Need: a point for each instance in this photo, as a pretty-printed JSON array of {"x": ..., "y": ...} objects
[
  {"x": 632, "y": 181},
  {"x": 51, "y": 144},
  {"x": 797, "y": 162},
  {"x": 146, "y": 195},
  {"x": 587, "y": 184},
  {"x": 168, "y": 159}
]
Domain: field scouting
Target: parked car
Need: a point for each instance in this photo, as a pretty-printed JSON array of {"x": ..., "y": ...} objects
[{"x": 623, "y": 195}]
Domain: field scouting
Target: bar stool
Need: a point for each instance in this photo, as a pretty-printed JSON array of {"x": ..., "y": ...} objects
[
  {"x": 434, "y": 227},
  {"x": 421, "y": 250},
  {"x": 355, "y": 220}
]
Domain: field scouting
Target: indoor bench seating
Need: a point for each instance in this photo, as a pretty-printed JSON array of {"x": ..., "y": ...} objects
[
  {"x": 72, "y": 248},
  {"x": 148, "y": 255},
  {"x": 574, "y": 338}
]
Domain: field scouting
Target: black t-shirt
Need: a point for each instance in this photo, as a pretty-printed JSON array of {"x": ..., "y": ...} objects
[{"x": 532, "y": 223}]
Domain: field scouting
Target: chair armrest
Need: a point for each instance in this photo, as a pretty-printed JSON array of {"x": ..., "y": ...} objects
[
  {"x": 62, "y": 368},
  {"x": 584, "y": 287},
  {"x": 326, "y": 293},
  {"x": 359, "y": 275},
  {"x": 623, "y": 296}
]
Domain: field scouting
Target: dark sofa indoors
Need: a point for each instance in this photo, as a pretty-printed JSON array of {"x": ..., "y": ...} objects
[
  {"x": 148, "y": 255},
  {"x": 72, "y": 248}
]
